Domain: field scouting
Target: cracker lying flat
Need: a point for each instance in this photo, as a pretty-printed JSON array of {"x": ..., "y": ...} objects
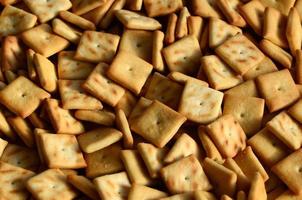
[
  {"x": 294, "y": 31},
  {"x": 206, "y": 8},
  {"x": 14, "y": 20},
  {"x": 133, "y": 20},
  {"x": 240, "y": 53},
  {"x": 157, "y": 8},
  {"x": 61, "y": 119},
  {"x": 73, "y": 96},
  {"x": 97, "y": 139},
  {"x": 104, "y": 161},
  {"x": 170, "y": 30},
  {"x": 27, "y": 96},
  {"x": 97, "y": 47},
  {"x": 114, "y": 186},
  {"x": 181, "y": 29},
  {"x": 123, "y": 125},
  {"x": 264, "y": 67},
  {"x": 42, "y": 40},
  {"x": 77, "y": 20},
  {"x": 230, "y": 10},
  {"x": 129, "y": 71},
  {"x": 278, "y": 89},
  {"x": 66, "y": 31},
  {"x": 183, "y": 55},
  {"x": 12, "y": 180},
  {"x": 157, "y": 58},
  {"x": 141, "y": 105},
  {"x": 101, "y": 87},
  {"x": 144, "y": 193},
  {"x": 102, "y": 117},
  {"x": 257, "y": 190},
  {"x": 245, "y": 89},
  {"x": 62, "y": 151},
  {"x": 199, "y": 103},
  {"x": 84, "y": 185},
  {"x": 190, "y": 176},
  {"x": 48, "y": 183},
  {"x": 295, "y": 111},
  {"x": 127, "y": 103},
  {"x": 283, "y": 6},
  {"x": 158, "y": 123}
]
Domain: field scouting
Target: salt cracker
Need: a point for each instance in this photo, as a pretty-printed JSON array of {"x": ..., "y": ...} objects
[
  {"x": 183, "y": 196},
  {"x": 135, "y": 5},
  {"x": 203, "y": 195},
  {"x": 127, "y": 103},
  {"x": 133, "y": 20},
  {"x": 283, "y": 6},
  {"x": 10, "y": 76},
  {"x": 135, "y": 167},
  {"x": 220, "y": 31},
  {"x": 46, "y": 10},
  {"x": 80, "y": 7},
  {"x": 137, "y": 42},
  {"x": 241, "y": 195},
  {"x": 32, "y": 74},
  {"x": 14, "y": 20},
  {"x": 276, "y": 53},
  {"x": 230, "y": 11},
  {"x": 3, "y": 144},
  {"x": 129, "y": 71},
  {"x": 66, "y": 31},
  {"x": 195, "y": 26},
  {"x": 274, "y": 24},
  {"x": 248, "y": 111},
  {"x": 288, "y": 195},
  {"x": 74, "y": 97},
  {"x": 153, "y": 157},
  {"x": 289, "y": 171},
  {"x": 8, "y": 2},
  {"x": 268, "y": 147},
  {"x": 181, "y": 29},
  {"x": 183, "y": 147},
  {"x": 77, "y": 20},
  {"x": 46, "y": 72},
  {"x": 257, "y": 189},
  {"x": 110, "y": 15},
  {"x": 62, "y": 151},
  {"x": 295, "y": 111},
  {"x": 158, "y": 8},
  {"x": 225, "y": 197},
  {"x": 190, "y": 176},
  {"x": 220, "y": 75},
  {"x": 206, "y": 8},
  {"x": 253, "y": 13},
  {"x": 123, "y": 125},
  {"x": 157, "y": 124},
  {"x": 97, "y": 47},
  {"x": 104, "y": 161},
  {"x": 204, "y": 40},
  {"x": 298, "y": 6},
  {"x": 183, "y": 55},
  {"x": 278, "y": 89},
  {"x": 170, "y": 30},
  {"x": 223, "y": 178},
  {"x": 42, "y": 40},
  {"x": 70, "y": 68},
  {"x": 27, "y": 96},
  {"x": 141, "y": 105},
  {"x": 102, "y": 117},
  {"x": 293, "y": 31},
  {"x": 12, "y": 180},
  {"x": 144, "y": 193},
  {"x": 99, "y": 138},
  {"x": 157, "y": 46},
  {"x": 48, "y": 183},
  {"x": 240, "y": 53},
  {"x": 113, "y": 186},
  {"x": 84, "y": 185},
  {"x": 287, "y": 130},
  {"x": 164, "y": 90},
  {"x": 245, "y": 89},
  {"x": 5, "y": 128},
  {"x": 249, "y": 164},
  {"x": 298, "y": 66},
  {"x": 61, "y": 119},
  {"x": 183, "y": 78},
  {"x": 264, "y": 67}
]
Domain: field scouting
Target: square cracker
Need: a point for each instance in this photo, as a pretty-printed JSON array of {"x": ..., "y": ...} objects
[
  {"x": 70, "y": 68},
  {"x": 141, "y": 105},
  {"x": 295, "y": 111},
  {"x": 114, "y": 186},
  {"x": 97, "y": 47},
  {"x": 46, "y": 10},
  {"x": 183, "y": 55},
  {"x": 158, "y": 8},
  {"x": 206, "y": 8},
  {"x": 245, "y": 89},
  {"x": 199, "y": 103},
  {"x": 278, "y": 89},
  {"x": 190, "y": 176},
  {"x": 61, "y": 119},
  {"x": 157, "y": 124},
  {"x": 62, "y": 151},
  {"x": 104, "y": 161},
  {"x": 129, "y": 71},
  {"x": 50, "y": 182},
  {"x": 164, "y": 90},
  {"x": 74, "y": 97},
  {"x": 230, "y": 10},
  {"x": 102, "y": 117},
  {"x": 282, "y": 5},
  {"x": 84, "y": 185},
  {"x": 289, "y": 171},
  {"x": 248, "y": 111},
  {"x": 264, "y": 67},
  {"x": 80, "y": 7},
  {"x": 42, "y": 40},
  {"x": 14, "y": 20},
  {"x": 240, "y": 53},
  {"x": 12, "y": 180},
  {"x": 257, "y": 189},
  {"x": 287, "y": 130},
  {"x": 228, "y": 135},
  {"x": 144, "y": 193},
  {"x": 102, "y": 87},
  {"x": 27, "y": 96}
]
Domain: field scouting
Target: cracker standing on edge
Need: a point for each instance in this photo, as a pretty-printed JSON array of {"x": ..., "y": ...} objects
[
  {"x": 77, "y": 20},
  {"x": 294, "y": 31},
  {"x": 66, "y": 31},
  {"x": 102, "y": 117},
  {"x": 206, "y": 8},
  {"x": 282, "y": 5},
  {"x": 230, "y": 10},
  {"x": 158, "y": 8},
  {"x": 157, "y": 58},
  {"x": 295, "y": 111},
  {"x": 123, "y": 125},
  {"x": 144, "y": 193},
  {"x": 80, "y": 7},
  {"x": 181, "y": 29},
  {"x": 170, "y": 30},
  {"x": 257, "y": 189},
  {"x": 3, "y": 144},
  {"x": 195, "y": 26},
  {"x": 84, "y": 185},
  {"x": 110, "y": 14}
]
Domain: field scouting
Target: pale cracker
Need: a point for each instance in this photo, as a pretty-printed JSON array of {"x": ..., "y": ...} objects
[
  {"x": 170, "y": 30},
  {"x": 295, "y": 111},
  {"x": 10, "y": 76},
  {"x": 127, "y": 103},
  {"x": 8, "y": 2},
  {"x": 245, "y": 89},
  {"x": 84, "y": 185},
  {"x": 241, "y": 195},
  {"x": 158, "y": 8},
  {"x": 141, "y": 105},
  {"x": 102, "y": 117},
  {"x": 110, "y": 15},
  {"x": 230, "y": 11},
  {"x": 66, "y": 31},
  {"x": 195, "y": 26},
  {"x": 5, "y": 128},
  {"x": 80, "y": 7},
  {"x": 283, "y": 6},
  {"x": 144, "y": 193},
  {"x": 264, "y": 67},
  {"x": 203, "y": 195},
  {"x": 181, "y": 29},
  {"x": 294, "y": 31},
  {"x": 183, "y": 78},
  {"x": 3, "y": 144},
  {"x": 157, "y": 46},
  {"x": 32, "y": 74},
  {"x": 204, "y": 39},
  {"x": 298, "y": 66},
  {"x": 288, "y": 195},
  {"x": 257, "y": 189},
  {"x": 206, "y": 8},
  {"x": 298, "y": 6},
  {"x": 123, "y": 125},
  {"x": 135, "y": 5},
  {"x": 77, "y": 20},
  {"x": 183, "y": 196}
]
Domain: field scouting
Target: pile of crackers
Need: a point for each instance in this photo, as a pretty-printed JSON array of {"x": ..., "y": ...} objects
[{"x": 151, "y": 99}]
